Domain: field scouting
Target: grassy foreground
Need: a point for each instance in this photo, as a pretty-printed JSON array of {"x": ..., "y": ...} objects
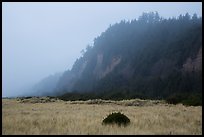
[{"x": 85, "y": 117}]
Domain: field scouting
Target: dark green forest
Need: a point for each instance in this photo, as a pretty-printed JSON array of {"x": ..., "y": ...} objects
[{"x": 150, "y": 58}]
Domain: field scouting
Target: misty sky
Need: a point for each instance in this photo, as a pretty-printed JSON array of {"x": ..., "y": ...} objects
[{"x": 40, "y": 39}]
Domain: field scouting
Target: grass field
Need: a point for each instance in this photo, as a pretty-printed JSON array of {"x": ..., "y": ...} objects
[{"x": 85, "y": 117}]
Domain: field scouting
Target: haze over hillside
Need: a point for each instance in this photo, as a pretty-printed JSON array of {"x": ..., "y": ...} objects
[
  {"x": 151, "y": 57},
  {"x": 41, "y": 54}
]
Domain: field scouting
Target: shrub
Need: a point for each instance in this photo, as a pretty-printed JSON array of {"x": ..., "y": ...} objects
[
  {"x": 193, "y": 100},
  {"x": 29, "y": 97},
  {"x": 174, "y": 99},
  {"x": 116, "y": 118},
  {"x": 186, "y": 99}
]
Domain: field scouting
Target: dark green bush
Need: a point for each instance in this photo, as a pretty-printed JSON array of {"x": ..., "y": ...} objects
[
  {"x": 116, "y": 118},
  {"x": 185, "y": 99},
  {"x": 174, "y": 99},
  {"x": 193, "y": 100},
  {"x": 27, "y": 97}
]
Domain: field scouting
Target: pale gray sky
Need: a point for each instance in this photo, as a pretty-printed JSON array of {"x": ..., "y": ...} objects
[{"x": 39, "y": 39}]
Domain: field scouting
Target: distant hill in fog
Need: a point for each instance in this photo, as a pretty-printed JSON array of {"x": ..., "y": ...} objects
[{"x": 45, "y": 87}]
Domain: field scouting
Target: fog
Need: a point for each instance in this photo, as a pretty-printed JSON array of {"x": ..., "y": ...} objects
[{"x": 41, "y": 39}]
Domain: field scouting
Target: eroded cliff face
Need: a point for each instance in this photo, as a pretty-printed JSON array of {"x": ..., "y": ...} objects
[
  {"x": 193, "y": 65},
  {"x": 114, "y": 62},
  {"x": 79, "y": 71},
  {"x": 98, "y": 68},
  {"x": 99, "y": 72}
]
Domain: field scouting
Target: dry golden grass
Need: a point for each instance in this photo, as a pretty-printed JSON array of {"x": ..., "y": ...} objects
[{"x": 80, "y": 117}]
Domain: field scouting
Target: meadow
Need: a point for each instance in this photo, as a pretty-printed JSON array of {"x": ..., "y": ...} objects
[{"x": 57, "y": 117}]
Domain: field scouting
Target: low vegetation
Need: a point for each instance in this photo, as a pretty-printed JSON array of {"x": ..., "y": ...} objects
[
  {"x": 36, "y": 99},
  {"x": 185, "y": 99}
]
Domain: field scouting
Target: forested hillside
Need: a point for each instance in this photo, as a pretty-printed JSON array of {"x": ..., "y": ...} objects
[{"x": 148, "y": 57}]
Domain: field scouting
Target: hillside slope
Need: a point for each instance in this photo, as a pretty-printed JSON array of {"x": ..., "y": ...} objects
[{"x": 150, "y": 57}]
